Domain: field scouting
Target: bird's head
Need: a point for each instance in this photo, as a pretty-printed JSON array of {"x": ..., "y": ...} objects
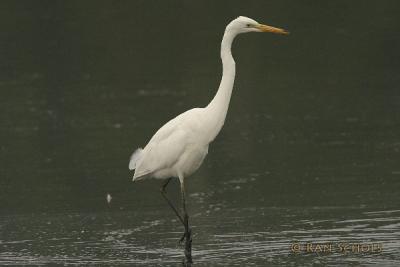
[{"x": 245, "y": 24}]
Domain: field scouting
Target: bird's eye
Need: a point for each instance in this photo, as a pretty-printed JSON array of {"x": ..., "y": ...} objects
[{"x": 248, "y": 25}]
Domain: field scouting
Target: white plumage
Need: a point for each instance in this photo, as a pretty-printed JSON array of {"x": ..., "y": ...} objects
[
  {"x": 179, "y": 147},
  {"x": 134, "y": 158}
]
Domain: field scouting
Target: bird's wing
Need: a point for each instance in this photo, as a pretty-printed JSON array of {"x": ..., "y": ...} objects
[
  {"x": 167, "y": 145},
  {"x": 143, "y": 155},
  {"x": 161, "y": 154},
  {"x": 161, "y": 134},
  {"x": 166, "y": 130}
]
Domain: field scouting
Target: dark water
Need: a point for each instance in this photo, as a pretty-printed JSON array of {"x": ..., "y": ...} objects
[{"x": 309, "y": 152}]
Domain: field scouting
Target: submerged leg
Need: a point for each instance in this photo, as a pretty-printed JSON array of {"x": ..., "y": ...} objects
[
  {"x": 164, "y": 194},
  {"x": 188, "y": 232}
]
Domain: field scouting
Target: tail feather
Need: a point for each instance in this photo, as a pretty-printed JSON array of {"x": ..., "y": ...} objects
[
  {"x": 135, "y": 158},
  {"x": 139, "y": 176}
]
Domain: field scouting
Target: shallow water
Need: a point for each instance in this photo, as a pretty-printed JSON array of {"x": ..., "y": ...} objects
[
  {"x": 222, "y": 236},
  {"x": 309, "y": 152}
]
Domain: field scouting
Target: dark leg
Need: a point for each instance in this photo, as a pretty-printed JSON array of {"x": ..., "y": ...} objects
[
  {"x": 164, "y": 194},
  {"x": 188, "y": 232}
]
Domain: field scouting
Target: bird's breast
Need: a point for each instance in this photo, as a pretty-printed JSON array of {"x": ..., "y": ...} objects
[{"x": 191, "y": 159}]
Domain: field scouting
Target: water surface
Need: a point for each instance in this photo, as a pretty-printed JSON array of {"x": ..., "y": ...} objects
[{"x": 309, "y": 151}]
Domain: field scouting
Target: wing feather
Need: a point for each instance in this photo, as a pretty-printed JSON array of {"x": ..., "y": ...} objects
[
  {"x": 135, "y": 158},
  {"x": 166, "y": 146},
  {"x": 161, "y": 155}
]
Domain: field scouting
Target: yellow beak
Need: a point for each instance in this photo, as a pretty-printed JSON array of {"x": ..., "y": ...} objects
[{"x": 266, "y": 28}]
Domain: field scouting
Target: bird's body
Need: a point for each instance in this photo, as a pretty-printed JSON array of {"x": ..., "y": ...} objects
[{"x": 179, "y": 147}]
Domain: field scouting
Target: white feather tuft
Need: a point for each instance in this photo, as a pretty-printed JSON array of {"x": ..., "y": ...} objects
[{"x": 134, "y": 158}]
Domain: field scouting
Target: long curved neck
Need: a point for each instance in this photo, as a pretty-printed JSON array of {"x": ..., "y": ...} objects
[{"x": 218, "y": 107}]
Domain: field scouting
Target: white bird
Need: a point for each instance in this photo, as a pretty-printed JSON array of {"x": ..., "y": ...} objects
[{"x": 179, "y": 147}]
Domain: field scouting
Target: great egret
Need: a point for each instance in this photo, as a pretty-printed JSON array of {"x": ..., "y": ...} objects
[{"x": 179, "y": 147}]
